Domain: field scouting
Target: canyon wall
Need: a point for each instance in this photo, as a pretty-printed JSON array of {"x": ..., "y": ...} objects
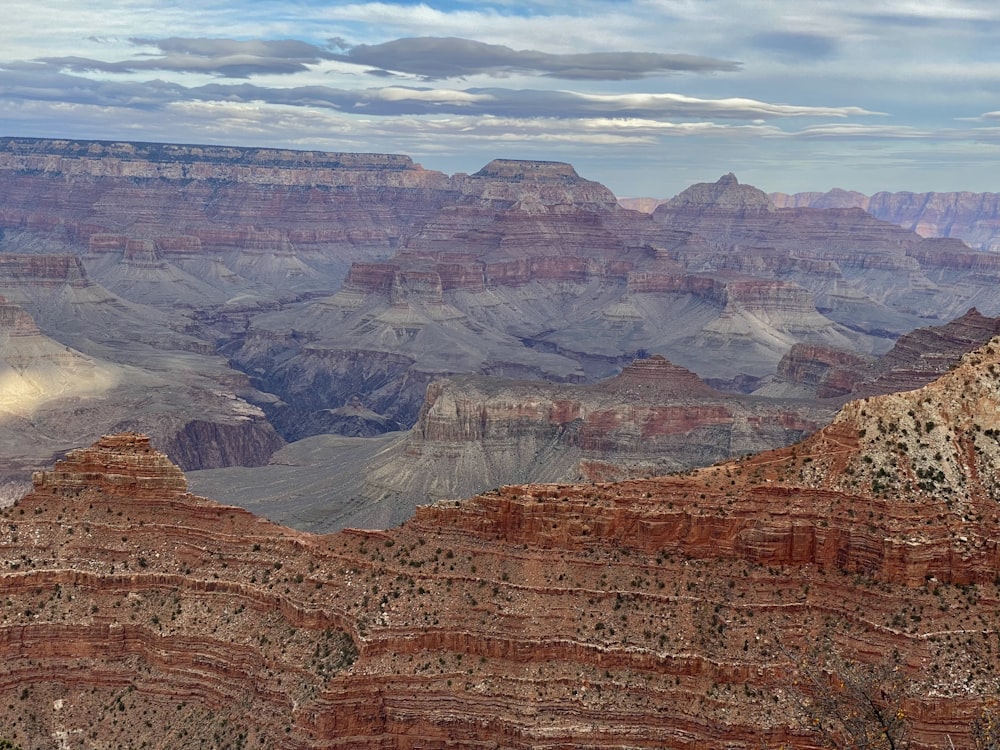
[
  {"x": 971, "y": 217},
  {"x": 685, "y": 611}
]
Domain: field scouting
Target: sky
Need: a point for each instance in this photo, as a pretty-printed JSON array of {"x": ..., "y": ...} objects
[{"x": 644, "y": 96}]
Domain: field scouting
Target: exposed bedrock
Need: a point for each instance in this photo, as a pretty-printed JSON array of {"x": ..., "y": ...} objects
[
  {"x": 677, "y": 612},
  {"x": 972, "y": 217},
  {"x": 203, "y": 444},
  {"x": 474, "y": 432},
  {"x": 318, "y": 388},
  {"x": 915, "y": 359}
]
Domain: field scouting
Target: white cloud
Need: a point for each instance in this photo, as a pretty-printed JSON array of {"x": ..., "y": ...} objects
[
  {"x": 451, "y": 96},
  {"x": 733, "y": 106}
]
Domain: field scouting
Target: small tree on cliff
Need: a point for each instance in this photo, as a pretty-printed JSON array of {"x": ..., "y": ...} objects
[{"x": 852, "y": 706}]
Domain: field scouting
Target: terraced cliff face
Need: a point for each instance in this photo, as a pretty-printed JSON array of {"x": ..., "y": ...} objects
[
  {"x": 972, "y": 217},
  {"x": 685, "y": 611},
  {"x": 475, "y": 433},
  {"x": 211, "y": 200},
  {"x": 328, "y": 290},
  {"x": 916, "y": 358},
  {"x": 864, "y": 259},
  {"x": 536, "y": 273}
]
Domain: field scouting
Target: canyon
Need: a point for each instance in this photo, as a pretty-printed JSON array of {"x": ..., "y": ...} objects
[
  {"x": 599, "y": 478},
  {"x": 704, "y": 608},
  {"x": 477, "y": 432},
  {"x": 231, "y": 300}
]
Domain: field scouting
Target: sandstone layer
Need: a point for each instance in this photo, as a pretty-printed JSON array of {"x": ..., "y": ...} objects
[{"x": 680, "y": 612}]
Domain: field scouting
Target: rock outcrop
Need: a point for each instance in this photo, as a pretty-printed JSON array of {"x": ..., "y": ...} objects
[{"x": 684, "y": 611}]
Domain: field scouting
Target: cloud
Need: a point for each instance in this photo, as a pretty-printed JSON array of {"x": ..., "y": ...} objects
[
  {"x": 403, "y": 100},
  {"x": 223, "y": 57},
  {"x": 430, "y": 58},
  {"x": 861, "y": 131},
  {"x": 795, "y": 46},
  {"x": 37, "y": 81},
  {"x": 451, "y": 57}
]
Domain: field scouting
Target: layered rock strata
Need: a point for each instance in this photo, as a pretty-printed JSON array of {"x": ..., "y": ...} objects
[
  {"x": 523, "y": 269},
  {"x": 916, "y": 359},
  {"x": 474, "y": 433},
  {"x": 478, "y": 432},
  {"x": 972, "y": 217},
  {"x": 562, "y": 271},
  {"x": 219, "y": 195},
  {"x": 683, "y": 612}
]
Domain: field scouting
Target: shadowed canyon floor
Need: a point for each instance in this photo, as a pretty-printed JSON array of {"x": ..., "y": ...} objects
[{"x": 680, "y": 612}]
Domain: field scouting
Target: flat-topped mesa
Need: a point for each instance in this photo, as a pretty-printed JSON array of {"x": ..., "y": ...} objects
[
  {"x": 534, "y": 186},
  {"x": 769, "y": 296},
  {"x": 659, "y": 374},
  {"x": 726, "y": 194},
  {"x": 524, "y": 169},
  {"x": 141, "y": 253},
  {"x": 169, "y": 159},
  {"x": 122, "y": 465},
  {"x": 42, "y": 270},
  {"x": 15, "y": 321}
]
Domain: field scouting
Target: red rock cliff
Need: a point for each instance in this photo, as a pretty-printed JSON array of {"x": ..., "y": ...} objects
[{"x": 674, "y": 612}]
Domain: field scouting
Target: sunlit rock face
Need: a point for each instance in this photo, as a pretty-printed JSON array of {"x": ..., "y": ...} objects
[
  {"x": 53, "y": 395},
  {"x": 681, "y": 611}
]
